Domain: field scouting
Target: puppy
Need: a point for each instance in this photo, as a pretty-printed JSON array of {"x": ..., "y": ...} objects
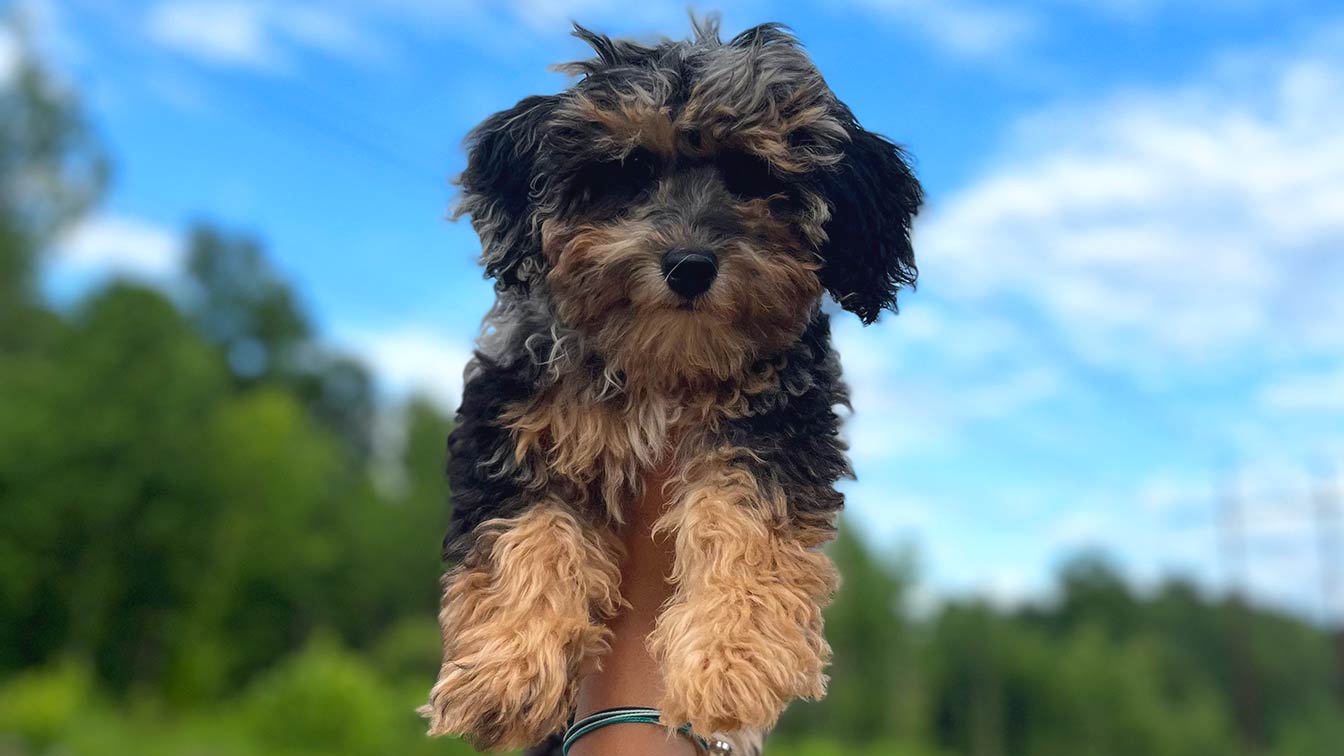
[{"x": 660, "y": 236}]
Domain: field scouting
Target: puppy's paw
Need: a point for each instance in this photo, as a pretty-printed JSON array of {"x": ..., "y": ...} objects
[
  {"x": 514, "y": 691},
  {"x": 520, "y": 621},
  {"x": 735, "y": 665},
  {"x": 743, "y": 636}
]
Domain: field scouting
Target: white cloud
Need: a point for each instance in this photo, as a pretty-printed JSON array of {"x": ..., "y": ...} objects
[
  {"x": 266, "y": 35},
  {"x": 549, "y": 15},
  {"x": 220, "y": 32},
  {"x": 263, "y": 35},
  {"x": 978, "y": 29},
  {"x": 1142, "y": 9},
  {"x": 919, "y": 381},
  {"x": 1079, "y": 529},
  {"x": 964, "y": 28},
  {"x": 1011, "y": 587},
  {"x": 121, "y": 245},
  {"x": 890, "y": 512},
  {"x": 1315, "y": 392},
  {"x": 250, "y": 34},
  {"x": 10, "y": 55},
  {"x": 1166, "y": 230},
  {"x": 412, "y": 359}
]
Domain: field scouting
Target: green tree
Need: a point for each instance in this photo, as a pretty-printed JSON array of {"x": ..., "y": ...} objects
[
  {"x": 1005, "y": 687},
  {"x": 91, "y": 433},
  {"x": 51, "y": 171},
  {"x": 254, "y": 317}
]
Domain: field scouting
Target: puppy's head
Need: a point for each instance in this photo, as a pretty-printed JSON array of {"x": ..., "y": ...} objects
[{"x": 684, "y": 205}]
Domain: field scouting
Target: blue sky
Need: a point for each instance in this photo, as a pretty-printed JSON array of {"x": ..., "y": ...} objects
[{"x": 1131, "y": 255}]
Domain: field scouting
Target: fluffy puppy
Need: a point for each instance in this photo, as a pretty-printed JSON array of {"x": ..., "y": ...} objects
[{"x": 661, "y": 235}]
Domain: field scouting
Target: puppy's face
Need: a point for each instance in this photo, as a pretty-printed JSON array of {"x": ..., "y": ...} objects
[{"x": 684, "y": 206}]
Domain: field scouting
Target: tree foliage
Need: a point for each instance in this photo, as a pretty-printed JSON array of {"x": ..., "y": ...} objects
[{"x": 51, "y": 170}]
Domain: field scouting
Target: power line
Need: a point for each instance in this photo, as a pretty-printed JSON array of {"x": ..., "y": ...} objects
[
  {"x": 1246, "y": 693},
  {"x": 1328, "y": 541},
  {"x": 1328, "y": 548}
]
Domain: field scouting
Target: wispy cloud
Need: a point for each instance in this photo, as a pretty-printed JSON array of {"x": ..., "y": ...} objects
[
  {"x": 412, "y": 359},
  {"x": 268, "y": 36},
  {"x": 256, "y": 35},
  {"x": 10, "y": 55},
  {"x": 921, "y": 381},
  {"x": 265, "y": 36},
  {"x": 119, "y": 245},
  {"x": 970, "y": 29},
  {"x": 1142, "y": 9},
  {"x": 1164, "y": 230},
  {"x": 1309, "y": 392}
]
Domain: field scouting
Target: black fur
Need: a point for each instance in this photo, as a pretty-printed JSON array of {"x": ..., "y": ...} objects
[
  {"x": 794, "y": 434},
  {"x": 874, "y": 197},
  {"x": 497, "y": 184},
  {"x": 482, "y": 477}
]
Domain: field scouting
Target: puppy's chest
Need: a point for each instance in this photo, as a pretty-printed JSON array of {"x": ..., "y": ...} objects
[
  {"x": 569, "y": 434},
  {"x": 565, "y": 433}
]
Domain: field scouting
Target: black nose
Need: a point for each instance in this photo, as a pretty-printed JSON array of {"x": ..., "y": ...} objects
[{"x": 689, "y": 272}]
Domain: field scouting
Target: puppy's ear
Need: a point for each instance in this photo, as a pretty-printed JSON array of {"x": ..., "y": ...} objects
[
  {"x": 497, "y": 190},
  {"x": 874, "y": 196}
]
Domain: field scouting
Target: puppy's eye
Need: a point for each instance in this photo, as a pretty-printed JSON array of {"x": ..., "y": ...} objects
[
  {"x": 616, "y": 181},
  {"x": 750, "y": 176}
]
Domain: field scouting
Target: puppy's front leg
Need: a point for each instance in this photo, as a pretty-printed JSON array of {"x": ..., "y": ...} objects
[
  {"x": 521, "y": 616},
  {"x": 742, "y": 636}
]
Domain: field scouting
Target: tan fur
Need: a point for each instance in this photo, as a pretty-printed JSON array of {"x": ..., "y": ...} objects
[
  {"x": 724, "y": 110},
  {"x": 711, "y": 121},
  {"x": 521, "y": 618},
  {"x": 570, "y": 434},
  {"x": 753, "y": 113},
  {"x": 637, "y": 119},
  {"x": 742, "y": 635}
]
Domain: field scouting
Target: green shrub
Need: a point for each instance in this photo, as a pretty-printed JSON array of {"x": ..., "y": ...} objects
[
  {"x": 37, "y": 706},
  {"x": 818, "y": 747},
  {"x": 322, "y": 700}
]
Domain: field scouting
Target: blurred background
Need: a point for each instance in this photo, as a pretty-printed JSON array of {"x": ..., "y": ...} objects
[{"x": 1098, "y": 507}]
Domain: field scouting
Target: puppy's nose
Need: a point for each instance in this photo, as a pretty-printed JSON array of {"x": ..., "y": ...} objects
[{"x": 689, "y": 272}]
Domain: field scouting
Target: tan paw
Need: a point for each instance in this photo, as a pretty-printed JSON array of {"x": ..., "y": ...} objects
[
  {"x": 519, "y": 624},
  {"x": 506, "y": 696},
  {"x": 737, "y": 670}
]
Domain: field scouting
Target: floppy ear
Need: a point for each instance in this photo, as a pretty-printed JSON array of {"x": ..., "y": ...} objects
[
  {"x": 497, "y": 187},
  {"x": 874, "y": 196}
]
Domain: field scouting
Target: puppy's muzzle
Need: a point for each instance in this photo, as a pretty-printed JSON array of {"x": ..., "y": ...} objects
[{"x": 690, "y": 272}]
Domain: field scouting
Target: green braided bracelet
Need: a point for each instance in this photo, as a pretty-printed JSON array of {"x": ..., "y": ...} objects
[{"x": 634, "y": 715}]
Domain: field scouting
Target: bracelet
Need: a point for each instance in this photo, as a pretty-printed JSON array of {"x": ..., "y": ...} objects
[{"x": 634, "y": 715}]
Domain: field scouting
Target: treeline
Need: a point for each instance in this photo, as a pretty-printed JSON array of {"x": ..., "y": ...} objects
[
  {"x": 214, "y": 540},
  {"x": 1102, "y": 669}
]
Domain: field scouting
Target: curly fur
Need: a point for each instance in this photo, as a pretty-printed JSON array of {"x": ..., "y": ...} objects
[
  {"x": 592, "y": 373},
  {"x": 519, "y": 620},
  {"x": 742, "y": 636}
]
